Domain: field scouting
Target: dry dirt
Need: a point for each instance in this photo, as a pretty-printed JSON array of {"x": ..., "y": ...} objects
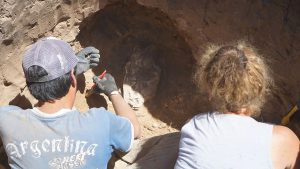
[{"x": 177, "y": 32}]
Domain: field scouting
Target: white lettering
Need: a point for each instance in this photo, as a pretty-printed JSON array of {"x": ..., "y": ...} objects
[
  {"x": 80, "y": 145},
  {"x": 80, "y": 148},
  {"x": 12, "y": 150},
  {"x": 24, "y": 146},
  {"x": 45, "y": 147},
  {"x": 34, "y": 148},
  {"x": 80, "y": 159},
  {"x": 68, "y": 162},
  {"x": 71, "y": 146},
  {"x": 91, "y": 149},
  {"x": 55, "y": 163},
  {"x": 65, "y": 162},
  {"x": 56, "y": 145},
  {"x": 67, "y": 143},
  {"x": 72, "y": 160}
]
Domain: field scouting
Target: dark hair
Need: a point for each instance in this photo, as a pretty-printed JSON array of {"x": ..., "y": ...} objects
[{"x": 50, "y": 90}]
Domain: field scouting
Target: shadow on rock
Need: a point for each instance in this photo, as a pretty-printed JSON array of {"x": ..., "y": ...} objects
[
  {"x": 21, "y": 101},
  {"x": 96, "y": 100},
  {"x": 158, "y": 152},
  {"x": 81, "y": 83}
]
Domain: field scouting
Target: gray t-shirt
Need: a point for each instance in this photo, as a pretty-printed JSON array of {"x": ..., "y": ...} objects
[
  {"x": 225, "y": 141},
  {"x": 65, "y": 140}
]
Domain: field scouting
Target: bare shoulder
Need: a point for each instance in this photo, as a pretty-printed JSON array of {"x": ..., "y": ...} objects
[
  {"x": 285, "y": 147},
  {"x": 284, "y": 133},
  {"x": 285, "y": 136}
]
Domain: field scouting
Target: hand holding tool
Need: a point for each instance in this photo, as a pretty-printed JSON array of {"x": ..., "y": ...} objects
[
  {"x": 106, "y": 85},
  {"x": 92, "y": 90}
]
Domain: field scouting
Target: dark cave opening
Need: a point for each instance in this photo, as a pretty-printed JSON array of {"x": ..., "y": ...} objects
[{"x": 149, "y": 40}]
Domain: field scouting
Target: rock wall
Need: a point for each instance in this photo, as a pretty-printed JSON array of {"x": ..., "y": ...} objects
[
  {"x": 22, "y": 23},
  {"x": 271, "y": 26},
  {"x": 186, "y": 28},
  {"x": 179, "y": 31}
]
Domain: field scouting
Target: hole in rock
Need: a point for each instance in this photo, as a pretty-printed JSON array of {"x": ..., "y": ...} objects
[{"x": 148, "y": 57}]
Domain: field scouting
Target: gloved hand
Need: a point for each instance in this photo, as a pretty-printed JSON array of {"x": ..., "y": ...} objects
[
  {"x": 88, "y": 57},
  {"x": 105, "y": 85}
]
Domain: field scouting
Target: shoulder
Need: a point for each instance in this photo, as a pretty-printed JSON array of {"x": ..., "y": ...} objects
[
  {"x": 100, "y": 109},
  {"x": 9, "y": 115},
  {"x": 201, "y": 118},
  {"x": 99, "y": 114},
  {"x": 9, "y": 109},
  {"x": 195, "y": 123},
  {"x": 282, "y": 134},
  {"x": 285, "y": 146}
]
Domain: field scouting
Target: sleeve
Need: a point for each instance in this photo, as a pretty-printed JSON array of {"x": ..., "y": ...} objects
[
  {"x": 6, "y": 116},
  {"x": 121, "y": 132},
  {"x": 8, "y": 108},
  {"x": 4, "y": 110}
]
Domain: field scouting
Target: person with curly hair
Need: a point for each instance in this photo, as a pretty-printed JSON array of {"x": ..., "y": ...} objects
[{"x": 237, "y": 81}]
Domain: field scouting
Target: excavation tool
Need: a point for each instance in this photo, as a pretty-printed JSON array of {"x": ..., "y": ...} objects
[
  {"x": 286, "y": 119},
  {"x": 92, "y": 90}
]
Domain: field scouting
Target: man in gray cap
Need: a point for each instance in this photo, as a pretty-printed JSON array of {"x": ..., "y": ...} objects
[{"x": 54, "y": 134}]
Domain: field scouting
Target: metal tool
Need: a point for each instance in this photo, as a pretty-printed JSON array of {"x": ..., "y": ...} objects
[{"x": 286, "y": 119}]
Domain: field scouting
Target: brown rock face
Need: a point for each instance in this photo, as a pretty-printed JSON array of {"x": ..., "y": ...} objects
[
  {"x": 177, "y": 32},
  {"x": 22, "y": 23}
]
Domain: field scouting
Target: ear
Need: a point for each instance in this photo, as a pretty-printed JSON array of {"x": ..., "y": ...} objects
[{"x": 73, "y": 79}]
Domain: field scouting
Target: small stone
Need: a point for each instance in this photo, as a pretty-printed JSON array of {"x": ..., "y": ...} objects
[{"x": 155, "y": 125}]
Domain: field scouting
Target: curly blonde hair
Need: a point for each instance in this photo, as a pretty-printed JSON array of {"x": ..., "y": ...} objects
[{"x": 235, "y": 76}]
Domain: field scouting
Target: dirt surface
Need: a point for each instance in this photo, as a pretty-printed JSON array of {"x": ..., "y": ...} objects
[{"x": 176, "y": 31}]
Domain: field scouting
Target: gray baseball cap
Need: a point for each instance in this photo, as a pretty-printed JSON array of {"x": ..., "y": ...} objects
[{"x": 54, "y": 55}]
